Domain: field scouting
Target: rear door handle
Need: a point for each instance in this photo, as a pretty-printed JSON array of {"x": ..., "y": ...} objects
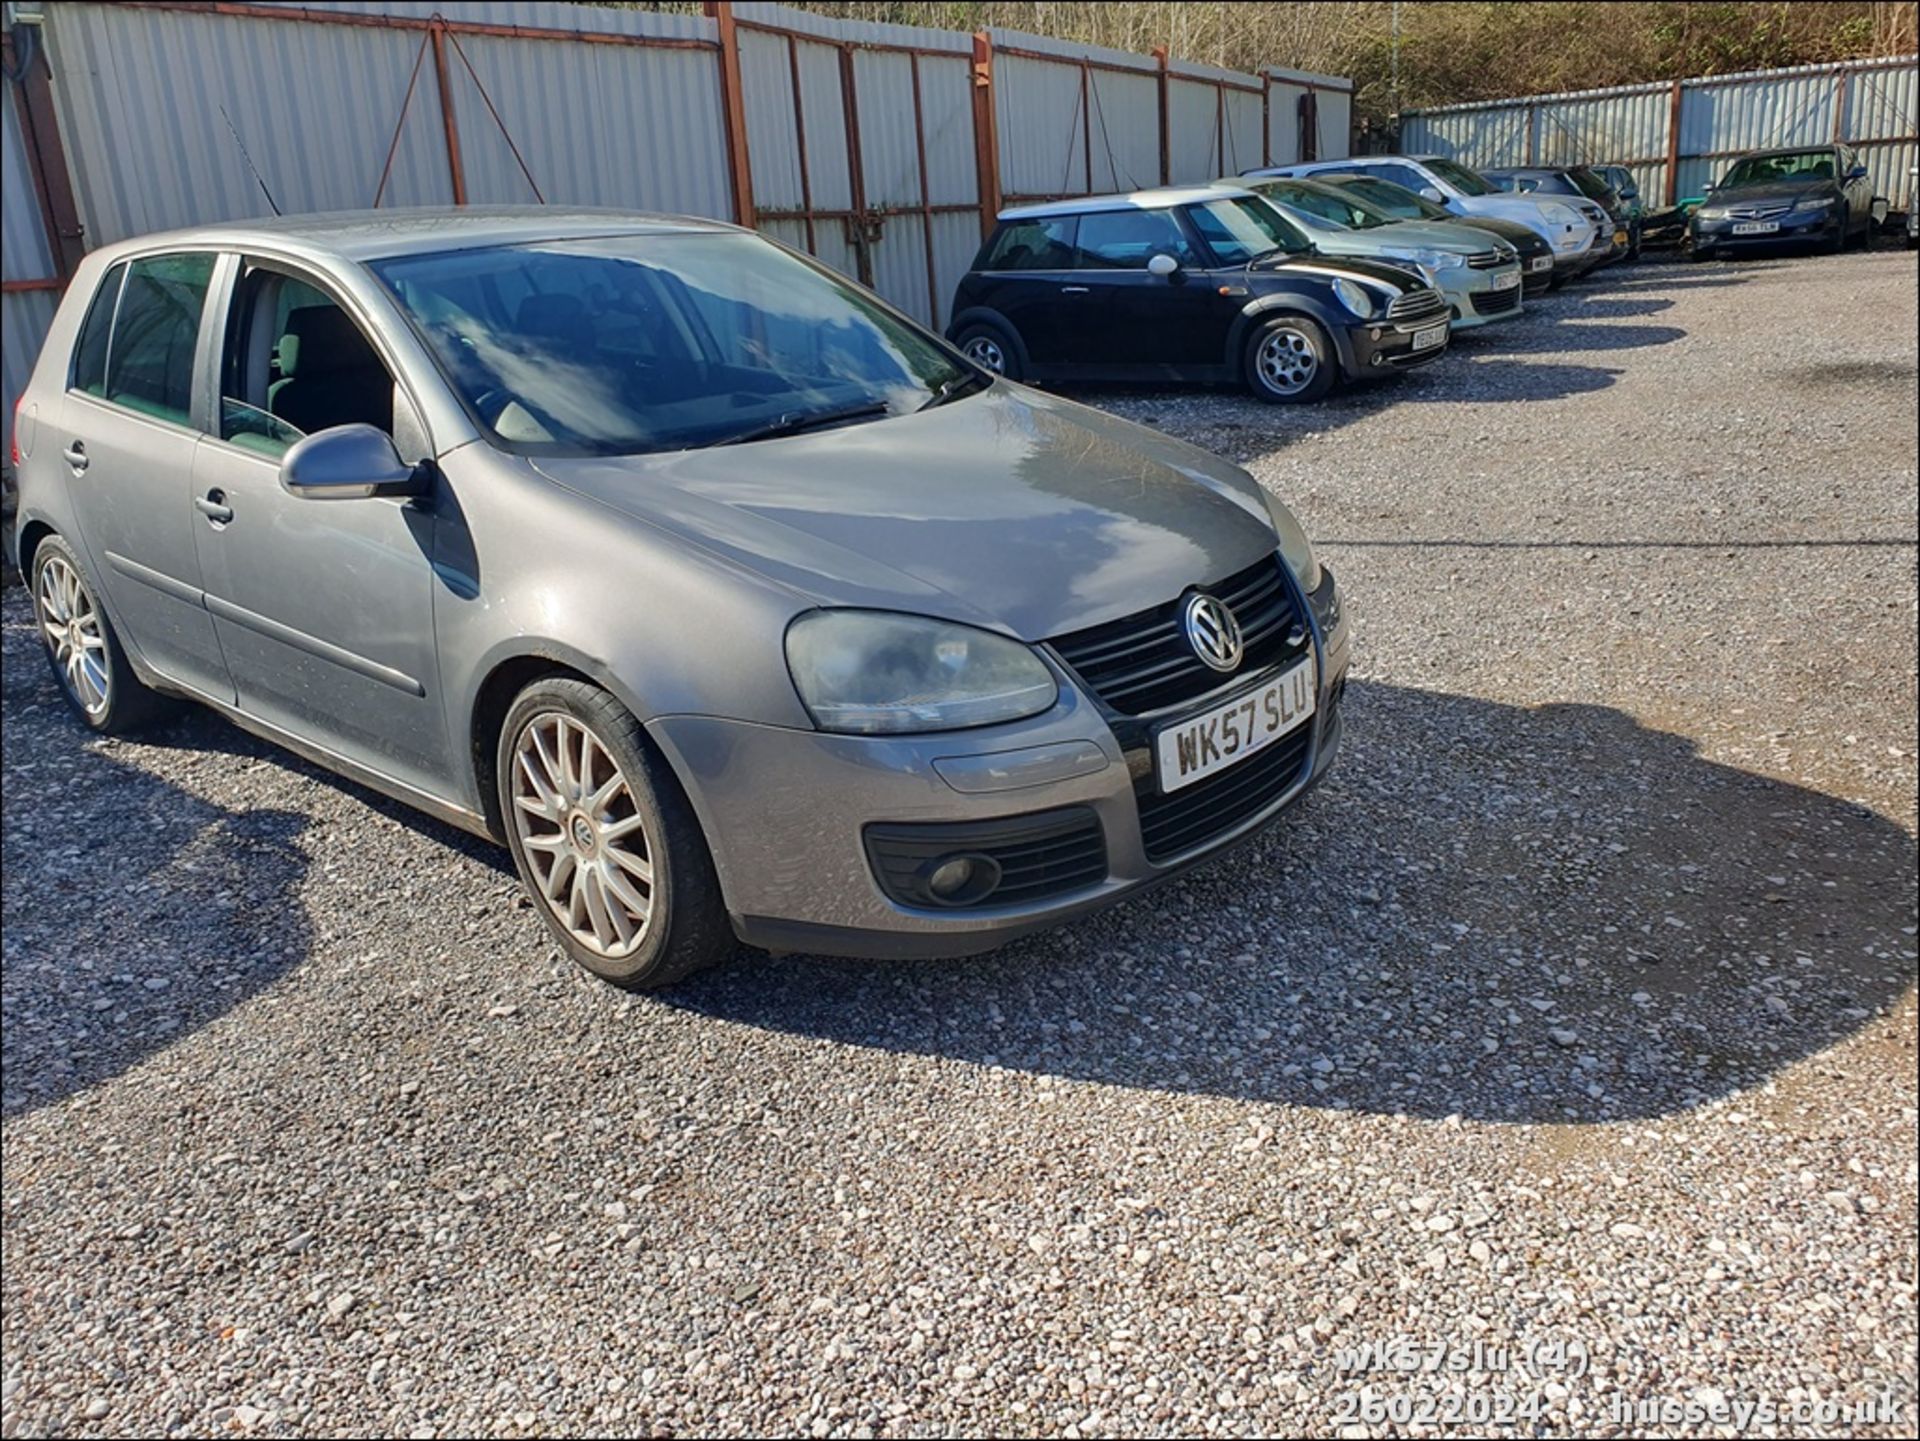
[
  {"x": 1073, "y": 290},
  {"x": 76, "y": 456},
  {"x": 213, "y": 505}
]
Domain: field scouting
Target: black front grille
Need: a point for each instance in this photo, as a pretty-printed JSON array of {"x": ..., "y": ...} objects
[
  {"x": 1417, "y": 305},
  {"x": 1172, "y": 825},
  {"x": 1047, "y": 853},
  {"x": 1487, "y": 260},
  {"x": 1143, "y": 662},
  {"x": 1495, "y": 302}
]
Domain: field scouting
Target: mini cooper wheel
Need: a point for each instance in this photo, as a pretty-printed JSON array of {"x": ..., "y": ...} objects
[
  {"x": 991, "y": 348},
  {"x": 1290, "y": 360},
  {"x": 82, "y": 647},
  {"x": 605, "y": 841}
]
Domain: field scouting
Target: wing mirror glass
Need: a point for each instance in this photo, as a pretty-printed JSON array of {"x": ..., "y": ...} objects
[
  {"x": 1859, "y": 172},
  {"x": 1162, "y": 265},
  {"x": 348, "y": 462}
]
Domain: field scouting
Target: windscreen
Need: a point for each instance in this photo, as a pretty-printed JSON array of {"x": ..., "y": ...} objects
[
  {"x": 1466, "y": 181},
  {"x": 1395, "y": 200},
  {"x": 619, "y": 345},
  {"x": 1769, "y": 169},
  {"x": 1240, "y": 229}
]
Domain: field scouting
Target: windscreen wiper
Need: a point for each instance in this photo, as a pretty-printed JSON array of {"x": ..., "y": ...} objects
[
  {"x": 953, "y": 389},
  {"x": 794, "y": 422}
]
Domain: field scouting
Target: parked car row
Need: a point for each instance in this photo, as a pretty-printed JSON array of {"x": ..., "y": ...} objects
[{"x": 1289, "y": 280}]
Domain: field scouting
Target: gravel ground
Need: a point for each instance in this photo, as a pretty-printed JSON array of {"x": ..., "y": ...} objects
[{"x": 1574, "y": 1017}]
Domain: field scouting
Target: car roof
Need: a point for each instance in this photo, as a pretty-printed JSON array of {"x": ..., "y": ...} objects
[
  {"x": 1789, "y": 150},
  {"x": 1159, "y": 198},
  {"x": 360, "y": 235}
]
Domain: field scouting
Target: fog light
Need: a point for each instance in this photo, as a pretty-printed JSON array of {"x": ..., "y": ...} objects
[
  {"x": 960, "y": 880},
  {"x": 1378, "y": 358}
]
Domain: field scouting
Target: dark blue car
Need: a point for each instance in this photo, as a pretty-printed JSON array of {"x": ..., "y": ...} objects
[{"x": 1817, "y": 195}]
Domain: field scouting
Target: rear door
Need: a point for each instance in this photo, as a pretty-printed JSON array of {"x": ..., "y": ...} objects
[
  {"x": 129, "y": 426},
  {"x": 324, "y": 608}
]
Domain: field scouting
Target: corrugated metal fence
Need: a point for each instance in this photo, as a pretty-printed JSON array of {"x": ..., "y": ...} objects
[
  {"x": 1677, "y": 136},
  {"x": 883, "y": 149}
]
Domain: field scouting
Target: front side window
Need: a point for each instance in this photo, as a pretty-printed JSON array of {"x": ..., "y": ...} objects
[
  {"x": 90, "y": 350},
  {"x": 296, "y": 363},
  {"x": 622, "y": 345},
  {"x": 155, "y": 331},
  {"x": 1460, "y": 178},
  {"x": 1128, "y": 239},
  {"x": 1045, "y": 244}
]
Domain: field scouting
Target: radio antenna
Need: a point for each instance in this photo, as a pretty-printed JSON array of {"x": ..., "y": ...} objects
[{"x": 252, "y": 169}]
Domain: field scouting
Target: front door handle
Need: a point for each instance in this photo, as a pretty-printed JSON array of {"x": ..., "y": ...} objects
[
  {"x": 1073, "y": 290},
  {"x": 76, "y": 456},
  {"x": 213, "y": 505}
]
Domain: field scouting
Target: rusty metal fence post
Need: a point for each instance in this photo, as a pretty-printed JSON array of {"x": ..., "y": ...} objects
[
  {"x": 437, "y": 32},
  {"x": 733, "y": 110},
  {"x": 986, "y": 133}
]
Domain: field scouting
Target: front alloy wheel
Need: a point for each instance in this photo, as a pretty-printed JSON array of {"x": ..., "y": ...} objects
[
  {"x": 604, "y": 838},
  {"x": 1289, "y": 360},
  {"x": 585, "y": 840}
]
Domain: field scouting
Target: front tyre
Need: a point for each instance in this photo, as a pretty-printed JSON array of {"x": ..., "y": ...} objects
[
  {"x": 1290, "y": 361},
  {"x": 990, "y": 347},
  {"x": 605, "y": 841},
  {"x": 83, "y": 648}
]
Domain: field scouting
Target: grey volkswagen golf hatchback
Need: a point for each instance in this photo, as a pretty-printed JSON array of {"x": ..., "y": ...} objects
[{"x": 731, "y": 600}]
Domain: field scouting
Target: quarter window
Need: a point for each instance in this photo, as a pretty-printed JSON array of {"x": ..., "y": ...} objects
[
  {"x": 1033, "y": 245},
  {"x": 90, "y": 352},
  {"x": 1128, "y": 239},
  {"x": 150, "y": 356}
]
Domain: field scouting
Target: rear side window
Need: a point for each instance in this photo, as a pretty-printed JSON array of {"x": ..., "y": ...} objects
[
  {"x": 1032, "y": 245},
  {"x": 90, "y": 353},
  {"x": 1128, "y": 239},
  {"x": 150, "y": 357}
]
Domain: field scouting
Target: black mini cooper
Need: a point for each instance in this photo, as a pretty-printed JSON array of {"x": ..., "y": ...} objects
[{"x": 1202, "y": 284}]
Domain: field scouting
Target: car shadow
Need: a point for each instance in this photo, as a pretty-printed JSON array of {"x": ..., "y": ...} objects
[
  {"x": 1619, "y": 307},
  {"x": 1491, "y": 912},
  {"x": 108, "y": 868}
]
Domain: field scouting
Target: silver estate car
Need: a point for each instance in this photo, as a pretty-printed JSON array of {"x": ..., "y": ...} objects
[{"x": 735, "y": 603}]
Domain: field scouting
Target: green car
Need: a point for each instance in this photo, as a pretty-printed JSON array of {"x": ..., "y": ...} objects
[{"x": 1479, "y": 273}]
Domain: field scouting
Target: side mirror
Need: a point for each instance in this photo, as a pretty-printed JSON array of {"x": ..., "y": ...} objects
[
  {"x": 1163, "y": 265},
  {"x": 348, "y": 462},
  {"x": 1431, "y": 192},
  {"x": 1632, "y": 192},
  {"x": 1859, "y": 172}
]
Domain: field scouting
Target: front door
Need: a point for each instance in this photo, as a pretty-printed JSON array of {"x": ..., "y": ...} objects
[
  {"x": 128, "y": 436},
  {"x": 324, "y": 608},
  {"x": 1130, "y": 316}
]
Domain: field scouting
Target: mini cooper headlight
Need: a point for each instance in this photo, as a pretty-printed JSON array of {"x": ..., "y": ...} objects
[
  {"x": 1295, "y": 549},
  {"x": 874, "y": 672},
  {"x": 1355, "y": 297}
]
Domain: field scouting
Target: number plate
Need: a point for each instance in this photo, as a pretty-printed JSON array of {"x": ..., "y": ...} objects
[
  {"x": 1540, "y": 263},
  {"x": 1506, "y": 280},
  {"x": 1194, "y": 749},
  {"x": 1426, "y": 339},
  {"x": 1756, "y": 227}
]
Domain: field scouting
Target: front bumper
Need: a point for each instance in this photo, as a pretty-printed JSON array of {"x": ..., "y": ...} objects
[
  {"x": 787, "y": 812},
  {"x": 1376, "y": 348},
  {"x": 1475, "y": 299},
  {"x": 1795, "y": 227}
]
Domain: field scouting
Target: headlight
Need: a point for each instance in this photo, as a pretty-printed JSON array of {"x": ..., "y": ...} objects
[
  {"x": 1440, "y": 259},
  {"x": 1712, "y": 212},
  {"x": 1354, "y": 297},
  {"x": 1295, "y": 549},
  {"x": 875, "y": 672},
  {"x": 1813, "y": 202},
  {"x": 1561, "y": 215}
]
